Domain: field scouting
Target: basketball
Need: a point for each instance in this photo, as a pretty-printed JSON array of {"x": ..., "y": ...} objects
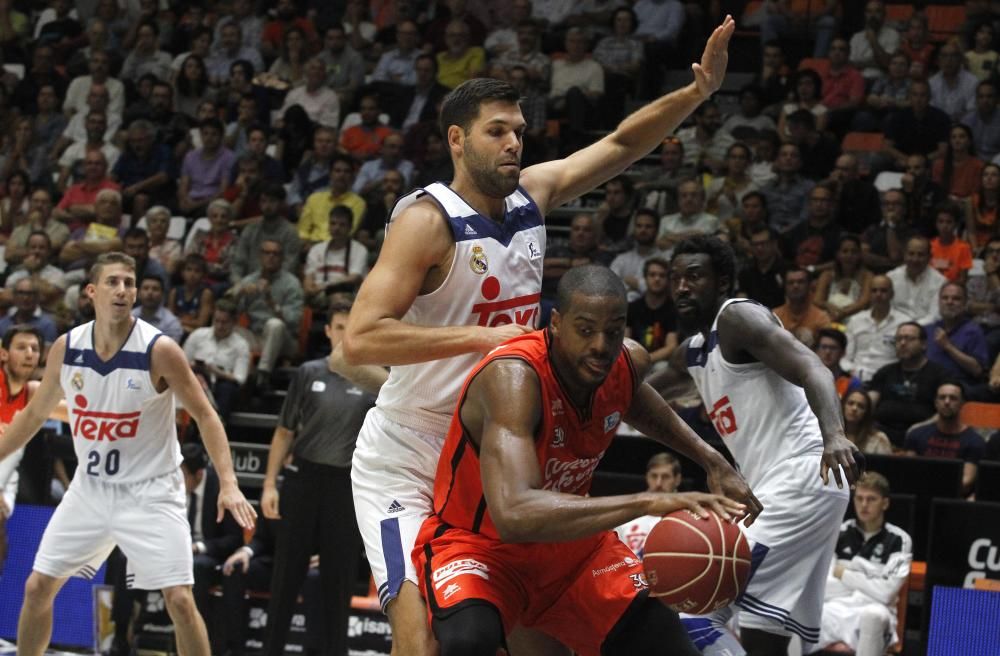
[{"x": 696, "y": 565}]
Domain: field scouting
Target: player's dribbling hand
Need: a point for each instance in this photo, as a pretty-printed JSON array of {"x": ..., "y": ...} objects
[
  {"x": 239, "y": 559},
  {"x": 727, "y": 481},
  {"x": 699, "y": 503},
  {"x": 231, "y": 499},
  {"x": 840, "y": 453},
  {"x": 269, "y": 502},
  {"x": 496, "y": 335},
  {"x": 709, "y": 73}
]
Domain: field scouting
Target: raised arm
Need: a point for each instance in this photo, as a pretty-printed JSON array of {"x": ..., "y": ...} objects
[
  {"x": 750, "y": 328},
  {"x": 652, "y": 417},
  {"x": 554, "y": 183},
  {"x": 417, "y": 244},
  {"x": 170, "y": 364},
  {"x": 503, "y": 410},
  {"x": 44, "y": 402}
]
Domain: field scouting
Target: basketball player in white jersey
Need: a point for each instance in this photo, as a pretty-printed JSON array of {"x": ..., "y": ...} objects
[
  {"x": 460, "y": 272},
  {"x": 119, "y": 376},
  {"x": 775, "y": 406}
]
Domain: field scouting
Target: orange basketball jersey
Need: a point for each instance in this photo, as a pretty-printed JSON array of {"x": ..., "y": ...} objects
[
  {"x": 10, "y": 405},
  {"x": 570, "y": 441}
]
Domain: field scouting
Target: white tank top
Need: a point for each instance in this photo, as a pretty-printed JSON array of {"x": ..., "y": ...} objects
[
  {"x": 762, "y": 418},
  {"x": 123, "y": 430},
  {"x": 495, "y": 279}
]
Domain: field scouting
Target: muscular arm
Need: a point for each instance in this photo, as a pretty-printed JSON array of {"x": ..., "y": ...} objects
[
  {"x": 44, "y": 401},
  {"x": 376, "y": 333},
  {"x": 170, "y": 365},
  {"x": 369, "y": 377},
  {"x": 670, "y": 382},
  {"x": 749, "y": 328},
  {"x": 554, "y": 183},
  {"x": 503, "y": 410}
]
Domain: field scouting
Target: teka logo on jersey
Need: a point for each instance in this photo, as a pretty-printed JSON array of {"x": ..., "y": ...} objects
[
  {"x": 522, "y": 310},
  {"x": 97, "y": 426}
]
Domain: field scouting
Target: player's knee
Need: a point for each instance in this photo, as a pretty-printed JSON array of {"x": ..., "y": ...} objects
[
  {"x": 472, "y": 631},
  {"x": 40, "y": 588},
  {"x": 179, "y": 600}
]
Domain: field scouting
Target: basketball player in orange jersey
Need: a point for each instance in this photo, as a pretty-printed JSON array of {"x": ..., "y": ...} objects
[
  {"x": 513, "y": 539},
  {"x": 20, "y": 353},
  {"x": 120, "y": 375},
  {"x": 460, "y": 272}
]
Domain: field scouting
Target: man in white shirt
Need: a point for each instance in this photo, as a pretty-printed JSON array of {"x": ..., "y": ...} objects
[
  {"x": 220, "y": 356},
  {"x": 872, "y": 47},
  {"x": 705, "y": 144},
  {"x": 691, "y": 218},
  {"x": 336, "y": 265},
  {"x": 871, "y": 334},
  {"x": 916, "y": 284},
  {"x": 953, "y": 89},
  {"x": 79, "y": 88},
  {"x": 629, "y": 265},
  {"x": 663, "y": 474},
  {"x": 320, "y": 101}
]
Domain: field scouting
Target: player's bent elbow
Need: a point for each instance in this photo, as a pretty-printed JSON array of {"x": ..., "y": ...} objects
[{"x": 353, "y": 349}]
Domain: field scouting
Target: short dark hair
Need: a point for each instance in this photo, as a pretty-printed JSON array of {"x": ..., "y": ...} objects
[
  {"x": 193, "y": 457},
  {"x": 461, "y": 106},
  {"x": 339, "y": 306},
  {"x": 274, "y": 190},
  {"x": 920, "y": 329},
  {"x": 655, "y": 261},
  {"x": 113, "y": 257},
  {"x": 954, "y": 383},
  {"x": 339, "y": 157},
  {"x": 152, "y": 276},
  {"x": 226, "y": 305},
  {"x": 212, "y": 122},
  {"x": 588, "y": 280},
  {"x": 136, "y": 233},
  {"x": 803, "y": 117},
  {"x": 719, "y": 252},
  {"x": 196, "y": 260},
  {"x": 650, "y": 212},
  {"x": 342, "y": 211},
  {"x": 40, "y": 233},
  {"x": 664, "y": 459},
  {"x": 835, "y": 335},
  {"x": 21, "y": 329}
]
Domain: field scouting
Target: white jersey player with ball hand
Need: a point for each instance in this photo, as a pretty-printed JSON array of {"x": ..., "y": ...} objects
[{"x": 119, "y": 376}]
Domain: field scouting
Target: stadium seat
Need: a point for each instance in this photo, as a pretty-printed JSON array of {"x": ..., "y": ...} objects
[
  {"x": 944, "y": 21},
  {"x": 201, "y": 224},
  {"x": 176, "y": 231},
  {"x": 898, "y": 13},
  {"x": 865, "y": 142},
  {"x": 981, "y": 415}
]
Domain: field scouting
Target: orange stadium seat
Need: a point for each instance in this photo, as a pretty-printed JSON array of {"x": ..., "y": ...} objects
[
  {"x": 898, "y": 13},
  {"x": 865, "y": 142},
  {"x": 981, "y": 415},
  {"x": 944, "y": 21}
]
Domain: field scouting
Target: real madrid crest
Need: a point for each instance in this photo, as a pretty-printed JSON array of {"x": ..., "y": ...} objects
[
  {"x": 478, "y": 262},
  {"x": 77, "y": 381}
]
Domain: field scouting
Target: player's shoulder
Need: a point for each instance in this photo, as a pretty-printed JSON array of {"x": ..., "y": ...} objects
[{"x": 897, "y": 536}]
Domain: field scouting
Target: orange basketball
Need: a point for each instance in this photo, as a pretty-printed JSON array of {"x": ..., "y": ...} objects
[{"x": 696, "y": 565}]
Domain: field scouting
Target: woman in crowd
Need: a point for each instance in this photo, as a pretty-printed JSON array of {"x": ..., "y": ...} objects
[
  {"x": 959, "y": 171},
  {"x": 859, "y": 424},
  {"x": 193, "y": 86},
  {"x": 14, "y": 204},
  {"x": 808, "y": 91},
  {"x": 846, "y": 289},
  {"x": 290, "y": 66},
  {"x": 217, "y": 245},
  {"x": 725, "y": 194},
  {"x": 164, "y": 250},
  {"x": 981, "y": 209}
]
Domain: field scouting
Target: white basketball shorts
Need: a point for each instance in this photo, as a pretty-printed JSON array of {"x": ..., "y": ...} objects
[
  {"x": 393, "y": 479},
  {"x": 147, "y": 519}
]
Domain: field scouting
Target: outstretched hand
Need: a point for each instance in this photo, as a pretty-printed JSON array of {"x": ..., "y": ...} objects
[
  {"x": 708, "y": 75},
  {"x": 231, "y": 499}
]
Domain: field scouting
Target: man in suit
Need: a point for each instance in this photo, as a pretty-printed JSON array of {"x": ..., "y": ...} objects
[
  {"x": 420, "y": 104},
  {"x": 247, "y": 568}
]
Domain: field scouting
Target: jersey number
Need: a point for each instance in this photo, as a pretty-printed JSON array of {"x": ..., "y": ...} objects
[
  {"x": 722, "y": 417},
  {"x": 111, "y": 462}
]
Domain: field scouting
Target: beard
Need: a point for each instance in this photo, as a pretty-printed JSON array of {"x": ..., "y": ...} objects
[{"x": 487, "y": 178}]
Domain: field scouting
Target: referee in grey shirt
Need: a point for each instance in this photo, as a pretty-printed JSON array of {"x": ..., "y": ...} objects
[{"x": 319, "y": 425}]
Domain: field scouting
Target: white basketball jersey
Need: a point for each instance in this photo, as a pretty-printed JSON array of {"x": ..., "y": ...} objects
[
  {"x": 123, "y": 430},
  {"x": 762, "y": 418},
  {"x": 495, "y": 279}
]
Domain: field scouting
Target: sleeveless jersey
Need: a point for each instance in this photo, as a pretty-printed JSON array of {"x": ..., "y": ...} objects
[
  {"x": 762, "y": 418},
  {"x": 10, "y": 405},
  {"x": 123, "y": 429},
  {"x": 569, "y": 442},
  {"x": 495, "y": 279}
]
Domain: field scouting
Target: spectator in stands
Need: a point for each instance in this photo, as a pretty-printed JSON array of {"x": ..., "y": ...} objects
[
  {"x": 786, "y": 194},
  {"x": 334, "y": 266},
  {"x": 211, "y": 540},
  {"x": 582, "y": 247},
  {"x": 871, "y": 333},
  {"x": 163, "y": 249},
  {"x": 953, "y": 89},
  {"x": 239, "y": 85},
  {"x": 72, "y": 162},
  {"x": 957, "y": 342},
  {"x": 152, "y": 310},
  {"x": 814, "y": 241},
  {"x": 25, "y": 155},
  {"x": 947, "y": 436},
  {"x": 845, "y": 289},
  {"x": 321, "y": 103},
  {"x": 615, "y": 214},
  {"x": 807, "y": 93},
  {"x": 146, "y": 56},
  {"x": 28, "y": 311},
  {"x": 396, "y": 66},
  {"x": 983, "y": 288},
  {"x": 981, "y": 210},
  {"x": 950, "y": 255},
  {"x": 50, "y": 281},
  {"x": 248, "y": 569},
  {"x": 370, "y": 175},
  {"x": 242, "y": 12},
  {"x": 959, "y": 171},
  {"x": 872, "y": 564},
  {"x": 652, "y": 320},
  {"x": 79, "y": 204},
  {"x": 256, "y": 147},
  {"x": 135, "y": 243},
  {"x": 206, "y": 170},
  {"x": 575, "y": 90},
  {"x": 765, "y": 150},
  {"x": 313, "y": 224},
  {"x": 502, "y": 39},
  {"x": 883, "y": 243},
  {"x": 372, "y": 230},
  {"x": 273, "y": 226},
  {"x": 705, "y": 144},
  {"x": 620, "y": 54},
  {"x": 785, "y": 19},
  {"x": 818, "y": 150},
  {"x": 221, "y": 355},
  {"x": 364, "y": 140},
  {"x": 916, "y": 44},
  {"x": 857, "y": 201},
  {"x": 763, "y": 277},
  {"x": 660, "y": 184},
  {"x": 290, "y": 65},
  {"x": 143, "y": 169},
  {"x": 690, "y": 218},
  {"x": 629, "y": 266},
  {"x": 529, "y": 55},
  {"x": 100, "y": 73},
  {"x": 345, "y": 67},
  {"x": 981, "y": 60},
  {"x": 872, "y": 47},
  {"x": 419, "y": 104},
  {"x": 200, "y": 44},
  {"x": 725, "y": 193},
  {"x": 314, "y": 172},
  {"x": 273, "y": 299},
  {"x": 984, "y": 121},
  {"x": 919, "y": 129},
  {"x": 663, "y": 474},
  {"x": 749, "y": 117},
  {"x": 216, "y": 245},
  {"x": 903, "y": 392},
  {"x": 923, "y": 195},
  {"x": 535, "y": 111},
  {"x": 831, "y": 344},
  {"x": 47, "y": 120},
  {"x": 285, "y": 17},
  {"x": 888, "y": 92},
  {"x": 192, "y": 302},
  {"x": 244, "y": 192},
  {"x": 229, "y": 49},
  {"x": 773, "y": 78},
  {"x": 843, "y": 86},
  {"x": 237, "y": 132},
  {"x": 798, "y": 312},
  {"x": 461, "y": 60},
  {"x": 859, "y": 424},
  {"x": 171, "y": 127},
  {"x": 14, "y": 205},
  {"x": 915, "y": 283},
  {"x": 40, "y": 73}
]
